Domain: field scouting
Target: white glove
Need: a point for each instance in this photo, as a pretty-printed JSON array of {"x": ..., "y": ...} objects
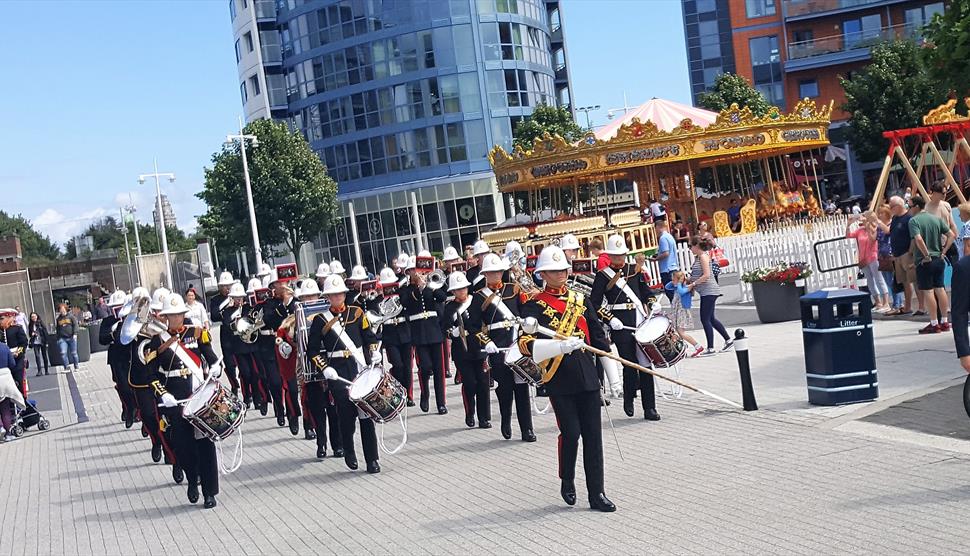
[
  {"x": 330, "y": 373},
  {"x": 168, "y": 400},
  {"x": 215, "y": 371},
  {"x": 570, "y": 345},
  {"x": 491, "y": 348},
  {"x": 376, "y": 357},
  {"x": 455, "y": 332},
  {"x": 616, "y": 324},
  {"x": 530, "y": 325},
  {"x": 285, "y": 350}
]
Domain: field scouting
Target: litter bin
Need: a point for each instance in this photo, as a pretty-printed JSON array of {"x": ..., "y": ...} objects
[
  {"x": 840, "y": 357},
  {"x": 95, "y": 337}
]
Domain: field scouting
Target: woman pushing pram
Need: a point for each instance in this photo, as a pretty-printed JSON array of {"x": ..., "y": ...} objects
[{"x": 11, "y": 400}]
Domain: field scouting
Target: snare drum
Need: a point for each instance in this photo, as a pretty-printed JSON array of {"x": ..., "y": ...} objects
[
  {"x": 378, "y": 394},
  {"x": 658, "y": 340},
  {"x": 523, "y": 367},
  {"x": 214, "y": 411}
]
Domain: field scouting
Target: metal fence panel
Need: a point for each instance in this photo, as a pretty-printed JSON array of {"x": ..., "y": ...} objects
[{"x": 185, "y": 270}]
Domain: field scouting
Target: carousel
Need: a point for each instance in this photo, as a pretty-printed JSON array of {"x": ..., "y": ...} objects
[{"x": 729, "y": 169}]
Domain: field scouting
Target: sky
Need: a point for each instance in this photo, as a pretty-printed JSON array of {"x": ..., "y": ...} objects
[{"x": 95, "y": 90}]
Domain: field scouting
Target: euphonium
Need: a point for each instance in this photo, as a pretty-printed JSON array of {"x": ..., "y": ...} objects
[{"x": 248, "y": 327}]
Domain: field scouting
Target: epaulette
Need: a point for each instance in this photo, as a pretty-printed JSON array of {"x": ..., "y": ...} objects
[
  {"x": 483, "y": 338},
  {"x": 604, "y": 314}
]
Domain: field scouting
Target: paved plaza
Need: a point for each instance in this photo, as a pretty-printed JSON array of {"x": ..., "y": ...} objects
[{"x": 707, "y": 479}]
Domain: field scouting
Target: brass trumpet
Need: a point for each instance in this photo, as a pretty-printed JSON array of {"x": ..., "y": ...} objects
[{"x": 436, "y": 279}]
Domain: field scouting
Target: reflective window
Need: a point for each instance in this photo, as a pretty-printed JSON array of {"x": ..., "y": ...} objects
[
  {"x": 808, "y": 88},
  {"x": 759, "y": 8}
]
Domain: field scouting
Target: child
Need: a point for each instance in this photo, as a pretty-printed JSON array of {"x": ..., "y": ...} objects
[{"x": 680, "y": 309}]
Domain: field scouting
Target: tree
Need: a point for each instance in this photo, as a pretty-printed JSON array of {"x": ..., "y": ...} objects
[
  {"x": 730, "y": 88},
  {"x": 894, "y": 91},
  {"x": 106, "y": 234},
  {"x": 546, "y": 119},
  {"x": 37, "y": 248},
  {"x": 947, "y": 48},
  {"x": 293, "y": 196}
]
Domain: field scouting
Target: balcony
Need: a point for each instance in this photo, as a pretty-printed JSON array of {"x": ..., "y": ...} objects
[
  {"x": 803, "y": 9},
  {"x": 841, "y": 49},
  {"x": 265, "y": 9}
]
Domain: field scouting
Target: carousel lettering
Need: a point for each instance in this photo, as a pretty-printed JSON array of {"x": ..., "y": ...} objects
[
  {"x": 801, "y": 135},
  {"x": 564, "y": 167},
  {"x": 508, "y": 179},
  {"x": 733, "y": 142},
  {"x": 642, "y": 154}
]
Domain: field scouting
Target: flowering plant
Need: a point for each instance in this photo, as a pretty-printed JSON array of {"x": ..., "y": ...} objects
[{"x": 782, "y": 272}]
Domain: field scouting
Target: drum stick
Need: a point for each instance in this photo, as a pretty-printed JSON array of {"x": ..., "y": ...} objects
[{"x": 641, "y": 368}]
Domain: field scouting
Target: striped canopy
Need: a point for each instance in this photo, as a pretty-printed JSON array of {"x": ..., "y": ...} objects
[{"x": 665, "y": 114}]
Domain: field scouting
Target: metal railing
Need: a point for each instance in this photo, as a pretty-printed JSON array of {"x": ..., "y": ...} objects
[
  {"x": 795, "y": 8},
  {"x": 848, "y": 41}
]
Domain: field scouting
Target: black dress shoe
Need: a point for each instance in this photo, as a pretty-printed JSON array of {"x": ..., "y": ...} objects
[
  {"x": 129, "y": 420},
  {"x": 209, "y": 502},
  {"x": 628, "y": 408},
  {"x": 528, "y": 436},
  {"x": 38, "y": 373},
  {"x": 442, "y": 410},
  {"x": 144, "y": 431},
  {"x": 601, "y": 503},
  {"x": 281, "y": 421},
  {"x": 651, "y": 415},
  {"x": 568, "y": 492},
  {"x": 373, "y": 467},
  {"x": 424, "y": 406},
  {"x": 177, "y": 474},
  {"x": 122, "y": 414},
  {"x": 469, "y": 422},
  {"x": 410, "y": 403},
  {"x": 294, "y": 427},
  {"x": 484, "y": 424},
  {"x": 447, "y": 374},
  {"x": 351, "y": 463},
  {"x": 338, "y": 452},
  {"x": 321, "y": 452},
  {"x": 193, "y": 493},
  {"x": 507, "y": 430},
  {"x": 264, "y": 409},
  {"x": 157, "y": 453},
  {"x": 309, "y": 434},
  {"x": 248, "y": 402}
]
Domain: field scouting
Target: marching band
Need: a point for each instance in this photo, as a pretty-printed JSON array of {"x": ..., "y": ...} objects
[{"x": 315, "y": 349}]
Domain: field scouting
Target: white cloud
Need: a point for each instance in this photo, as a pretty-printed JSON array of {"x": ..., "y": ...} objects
[
  {"x": 60, "y": 228},
  {"x": 130, "y": 197}
]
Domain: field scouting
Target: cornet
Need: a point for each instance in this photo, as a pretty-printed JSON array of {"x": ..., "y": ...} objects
[{"x": 436, "y": 279}]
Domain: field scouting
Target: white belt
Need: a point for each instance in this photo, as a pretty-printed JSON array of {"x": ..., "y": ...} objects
[
  {"x": 344, "y": 354},
  {"x": 622, "y": 307},
  {"x": 502, "y": 324},
  {"x": 396, "y": 320},
  {"x": 424, "y": 315},
  {"x": 267, "y": 333},
  {"x": 179, "y": 373}
]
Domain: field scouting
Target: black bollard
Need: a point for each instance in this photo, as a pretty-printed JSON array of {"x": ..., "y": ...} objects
[{"x": 747, "y": 389}]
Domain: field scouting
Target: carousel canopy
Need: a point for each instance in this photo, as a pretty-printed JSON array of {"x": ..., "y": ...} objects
[{"x": 667, "y": 115}]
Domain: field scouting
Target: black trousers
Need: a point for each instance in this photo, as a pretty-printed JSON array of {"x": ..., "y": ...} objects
[
  {"x": 150, "y": 414},
  {"x": 323, "y": 412},
  {"x": 18, "y": 375},
  {"x": 474, "y": 389},
  {"x": 578, "y": 415},
  {"x": 40, "y": 354},
  {"x": 347, "y": 412},
  {"x": 634, "y": 380},
  {"x": 430, "y": 359},
  {"x": 250, "y": 379},
  {"x": 291, "y": 397},
  {"x": 119, "y": 374},
  {"x": 273, "y": 382},
  {"x": 197, "y": 457},
  {"x": 229, "y": 366},
  {"x": 401, "y": 359},
  {"x": 507, "y": 390}
]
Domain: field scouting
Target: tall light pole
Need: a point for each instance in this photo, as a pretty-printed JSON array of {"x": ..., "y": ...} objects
[
  {"x": 242, "y": 138},
  {"x": 132, "y": 209},
  {"x": 161, "y": 215},
  {"x": 586, "y": 110}
]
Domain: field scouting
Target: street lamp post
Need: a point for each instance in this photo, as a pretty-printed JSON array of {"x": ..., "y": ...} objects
[
  {"x": 161, "y": 216},
  {"x": 586, "y": 110},
  {"x": 242, "y": 138}
]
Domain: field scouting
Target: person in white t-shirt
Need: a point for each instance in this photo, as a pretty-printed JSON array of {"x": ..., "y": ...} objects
[{"x": 657, "y": 210}]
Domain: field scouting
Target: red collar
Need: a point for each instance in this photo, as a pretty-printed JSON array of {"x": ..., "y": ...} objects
[
  {"x": 556, "y": 291},
  {"x": 496, "y": 287},
  {"x": 339, "y": 309}
]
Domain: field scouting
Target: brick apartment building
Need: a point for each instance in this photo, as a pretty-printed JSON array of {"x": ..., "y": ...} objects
[
  {"x": 792, "y": 49},
  {"x": 11, "y": 254}
]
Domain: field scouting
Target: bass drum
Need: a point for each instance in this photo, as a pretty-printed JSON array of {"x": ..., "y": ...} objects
[{"x": 658, "y": 340}]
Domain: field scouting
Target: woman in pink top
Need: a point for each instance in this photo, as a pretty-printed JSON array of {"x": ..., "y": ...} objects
[{"x": 865, "y": 236}]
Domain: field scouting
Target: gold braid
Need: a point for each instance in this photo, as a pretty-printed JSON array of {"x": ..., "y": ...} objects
[{"x": 567, "y": 325}]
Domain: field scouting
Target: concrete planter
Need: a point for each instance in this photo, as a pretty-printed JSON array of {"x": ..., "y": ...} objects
[{"x": 777, "y": 302}]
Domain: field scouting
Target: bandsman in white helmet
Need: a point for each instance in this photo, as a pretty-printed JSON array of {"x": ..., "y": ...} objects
[
  {"x": 475, "y": 278},
  {"x": 450, "y": 258},
  {"x": 396, "y": 333},
  {"x": 401, "y": 265},
  {"x": 466, "y": 352},
  {"x": 570, "y": 247},
  {"x": 219, "y": 303},
  {"x": 342, "y": 343},
  {"x": 495, "y": 313},
  {"x": 422, "y": 307},
  {"x": 622, "y": 297},
  {"x": 568, "y": 372},
  {"x": 336, "y": 267},
  {"x": 240, "y": 311},
  {"x": 264, "y": 270},
  {"x": 319, "y": 410},
  {"x": 269, "y": 371},
  {"x": 119, "y": 358}
]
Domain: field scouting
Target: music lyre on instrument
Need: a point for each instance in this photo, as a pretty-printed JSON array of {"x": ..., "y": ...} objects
[{"x": 304, "y": 313}]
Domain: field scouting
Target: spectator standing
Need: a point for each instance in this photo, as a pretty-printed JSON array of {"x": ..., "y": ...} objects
[
  {"x": 865, "y": 236},
  {"x": 939, "y": 207},
  {"x": 666, "y": 256},
  {"x": 928, "y": 232},
  {"x": 961, "y": 307},
  {"x": 66, "y": 326},
  {"x": 963, "y": 238},
  {"x": 900, "y": 244},
  {"x": 702, "y": 281},
  {"x": 657, "y": 210},
  {"x": 680, "y": 232},
  {"x": 21, "y": 319},
  {"x": 37, "y": 336},
  {"x": 704, "y": 232},
  {"x": 886, "y": 257},
  {"x": 596, "y": 252},
  {"x": 197, "y": 311}
]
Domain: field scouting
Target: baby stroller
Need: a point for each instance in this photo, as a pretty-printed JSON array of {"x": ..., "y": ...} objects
[{"x": 27, "y": 418}]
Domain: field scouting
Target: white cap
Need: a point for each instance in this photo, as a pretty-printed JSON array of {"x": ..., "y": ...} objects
[
  {"x": 412, "y": 263},
  {"x": 480, "y": 248},
  {"x": 451, "y": 254},
  {"x": 552, "y": 258},
  {"x": 513, "y": 247},
  {"x": 334, "y": 284},
  {"x": 323, "y": 270},
  {"x": 158, "y": 298},
  {"x": 139, "y": 293},
  {"x": 457, "y": 281},
  {"x": 174, "y": 305},
  {"x": 236, "y": 290},
  {"x": 254, "y": 284},
  {"x": 424, "y": 253},
  {"x": 615, "y": 245},
  {"x": 264, "y": 270},
  {"x": 336, "y": 267},
  {"x": 117, "y": 298},
  {"x": 358, "y": 273},
  {"x": 387, "y": 276},
  {"x": 307, "y": 287},
  {"x": 493, "y": 263},
  {"x": 568, "y": 241},
  {"x": 226, "y": 279}
]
